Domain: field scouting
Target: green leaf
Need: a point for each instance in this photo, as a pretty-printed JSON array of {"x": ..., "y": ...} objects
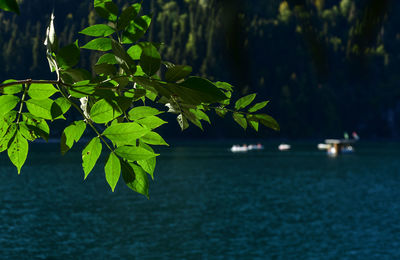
[
  {"x": 37, "y": 125},
  {"x": 90, "y": 155},
  {"x": 103, "y": 112},
  {"x": 224, "y": 85},
  {"x": 69, "y": 55},
  {"x": 107, "y": 58},
  {"x": 5, "y": 140},
  {"x": 134, "y": 153},
  {"x": 7, "y": 103},
  {"x": 11, "y": 89},
  {"x": 72, "y": 76},
  {"x": 81, "y": 91},
  {"x": 123, "y": 58},
  {"x": 40, "y": 108},
  {"x": 9, "y": 5},
  {"x": 244, "y": 101},
  {"x": 148, "y": 165},
  {"x": 98, "y": 30},
  {"x": 105, "y": 69},
  {"x": 153, "y": 138},
  {"x": 18, "y": 151},
  {"x": 268, "y": 121},
  {"x": 151, "y": 122},
  {"x": 135, "y": 178},
  {"x": 221, "y": 112},
  {"x": 150, "y": 59},
  {"x": 112, "y": 170},
  {"x": 135, "y": 52},
  {"x": 258, "y": 106},
  {"x": 127, "y": 15},
  {"x": 106, "y": 9},
  {"x": 253, "y": 123},
  {"x": 60, "y": 107},
  {"x": 177, "y": 73},
  {"x": 26, "y": 132},
  {"x": 72, "y": 134},
  {"x": 201, "y": 91},
  {"x": 141, "y": 112},
  {"x": 125, "y": 133},
  {"x": 41, "y": 91},
  {"x": 99, "y": 44},
  {"x": 136, "y": 29},
  {"x": 240, "y": 119}
]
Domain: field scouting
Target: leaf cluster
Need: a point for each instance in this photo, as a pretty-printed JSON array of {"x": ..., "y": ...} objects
[{"x": 116, "y": 99}]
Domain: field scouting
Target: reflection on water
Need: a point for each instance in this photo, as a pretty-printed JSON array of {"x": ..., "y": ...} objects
[{"x": 207, "y": 203}]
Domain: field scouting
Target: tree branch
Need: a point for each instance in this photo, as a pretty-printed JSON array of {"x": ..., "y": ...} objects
[{"x": 30, "y": 81}]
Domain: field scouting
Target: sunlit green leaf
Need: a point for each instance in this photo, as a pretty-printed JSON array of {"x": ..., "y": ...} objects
[
  {"x": 41, "y": 91},
  {"x": 151, "y": 122},
  {"x": 112, "y": 170},
  {"x": 258, "y": 106},
  {"x": 7, "y": 103},
  {"x": 5, "y": 140},
  {"x": 72, "y": 134},
  {"x": 103, "y": 112},
  {"x": 98, "y": 30},
  {"x": 135, "y": 52},
  {"x": 148, "y": 165},
  {"x": 40, "y": 108},
  {"x": 99, "y": 44},
  {"x": 107, "y": 58},
  {"x": 135, "y": 178},
  {"x": 134, "y": 153},
  {"x": 26, "y": 132},
  {"x": 18, "y": 151},
  {"x": 244, "y": 101},
  {"x": 253, "y": 122},
  {"x": 177, "y": 73},
  {"x": 125, "y": 133},
  {"x": 153, "y": 138},
  {"x": 240, "y": 119},
  {"x": 90, "y": 155},
  {"x": 142, "y": 111},
  {"x": 37, "y": 125}
]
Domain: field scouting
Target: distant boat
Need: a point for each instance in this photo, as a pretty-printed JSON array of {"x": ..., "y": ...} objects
[
  {"x": 284, "y": 147},
  {"x": 244, "y": 148},
  {"x": 334, "y": 147}
]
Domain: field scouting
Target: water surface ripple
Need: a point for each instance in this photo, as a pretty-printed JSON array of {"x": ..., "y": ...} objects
[{"x": 207, "y": 203}]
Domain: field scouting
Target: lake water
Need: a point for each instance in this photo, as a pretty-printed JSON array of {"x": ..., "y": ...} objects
[{"x": 207, "y": 203}]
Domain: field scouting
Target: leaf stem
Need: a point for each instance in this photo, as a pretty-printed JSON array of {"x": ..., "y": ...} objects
[
  {"x": 22, "y": 102},
  {"x": 30, "y": 81},
  {"x": 86, "y": 119}
]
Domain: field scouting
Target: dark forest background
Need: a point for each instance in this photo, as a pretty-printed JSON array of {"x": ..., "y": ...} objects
[{"x": 327, "y": 66}]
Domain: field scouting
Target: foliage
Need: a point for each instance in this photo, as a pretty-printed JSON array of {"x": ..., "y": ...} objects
[{"x": 117, "y": 100}]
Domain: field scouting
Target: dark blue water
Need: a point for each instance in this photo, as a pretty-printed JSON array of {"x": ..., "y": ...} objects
[{"x": 207, "y": 203}]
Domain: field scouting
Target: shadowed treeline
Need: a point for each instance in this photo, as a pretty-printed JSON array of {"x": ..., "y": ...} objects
[{"x": 328, "y": 66}]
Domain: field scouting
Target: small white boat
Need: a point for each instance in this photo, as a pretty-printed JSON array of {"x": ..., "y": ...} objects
[
  {"x": 239, "y": 148},
  {"x": 245, "y": 148},
  {"x": 284, "y": 147}
]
